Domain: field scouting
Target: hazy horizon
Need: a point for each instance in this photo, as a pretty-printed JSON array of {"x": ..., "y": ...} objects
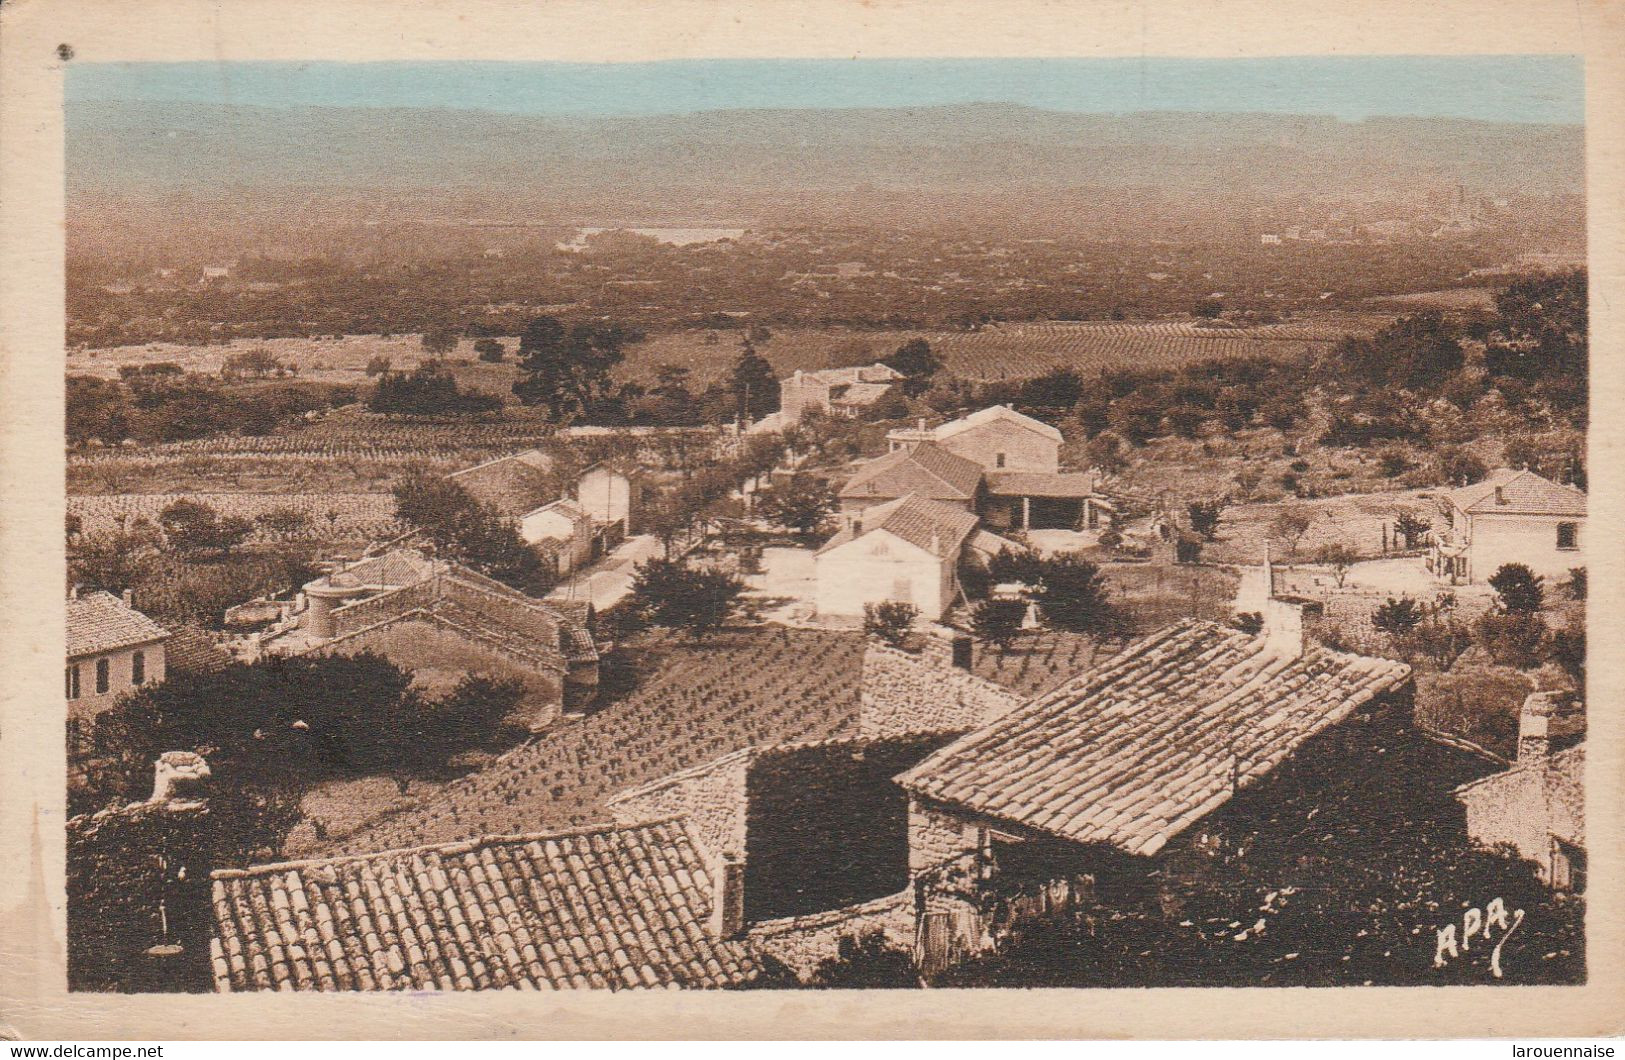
[{"x": 1507, "y": 89}]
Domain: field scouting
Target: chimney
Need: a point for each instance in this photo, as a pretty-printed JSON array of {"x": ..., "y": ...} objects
[
  {"x": 179, "y": 779},
  {"x": 857, "y": 524},
  {"x": 1534, "y": 722},
  {"x": 129, "y": 598},
  {"x": 1500, "y": 495},
  {"x": 1284, "y": 627},
  {"x": 922, "y": 426},
  {"x": 728, "y": 907}
]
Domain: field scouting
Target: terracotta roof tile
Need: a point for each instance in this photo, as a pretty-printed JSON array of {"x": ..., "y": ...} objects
[
  {"x": 936, "y": 527},
  {"x": 1041, "y": 484},
  {"x": 562, "y": 910},
  {"x": 100, "y": 622},
  {"x": 1135, "y": 750},
  {"x": 513, "y": 485},
  {"x": 1520, "y": 493},
  {"x": 992, "y": 413},
  {"x": 927, "y": 470}
]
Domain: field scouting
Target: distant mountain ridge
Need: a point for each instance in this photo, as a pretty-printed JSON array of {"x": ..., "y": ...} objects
[{"x": 123, "y": 147}]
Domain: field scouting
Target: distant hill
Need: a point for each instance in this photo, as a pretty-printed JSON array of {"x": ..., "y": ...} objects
[{"x": 974, "y": 149}]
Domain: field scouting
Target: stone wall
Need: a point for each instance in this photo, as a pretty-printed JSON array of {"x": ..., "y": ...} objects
[
  {"x": 804, "y": 942},
  {"x": 902, "y": 693},
  {"x": 711, "y": 797},
  {"x": 381, "y": 608},
  {"x": 938, "y": 836}
]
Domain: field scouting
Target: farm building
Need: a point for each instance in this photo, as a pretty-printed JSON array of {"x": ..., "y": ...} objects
[
  {"x": 1538, "y": 806},
  {"x": 112, "y": 648},
  {"x": 1018, "y": 461},
  {"x": 1512, "y": 516},
  {"x": 907, "y": 550},
  {"x": 443, "y": 621},
  {"x": 834, "y": 391},
  {"x": 567, "y": 525},
  {"x": 1088, "y": 784},
  {"x": 927, "y": 470},
  {"x": 999, "y": 438}
]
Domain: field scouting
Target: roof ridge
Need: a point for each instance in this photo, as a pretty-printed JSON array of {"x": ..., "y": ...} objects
[{"x": 456, "y": 846}]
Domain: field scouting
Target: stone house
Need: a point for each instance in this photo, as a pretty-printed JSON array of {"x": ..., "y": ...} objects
[
  {"x": 834, "y": 391},
  {"x": 567, "y": 526},
  {"x": 1512, "y": 516},
  {"x": 907, "y": 550},
  {"x": 111, "y": 649},
  {"x": 1093, "y": 780},
  {"x": 1538, "y": 805},
  {"x": 999, "y": 438},
  {"x": 443, "y": 622}
]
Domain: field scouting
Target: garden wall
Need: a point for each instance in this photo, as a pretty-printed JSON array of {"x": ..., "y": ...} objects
[
  {"x": 804, "y": 942},
  {"x": 711, "y": 798}
]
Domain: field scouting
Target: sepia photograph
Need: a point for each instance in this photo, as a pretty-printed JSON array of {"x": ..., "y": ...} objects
[{"x": 824, "y": 524}]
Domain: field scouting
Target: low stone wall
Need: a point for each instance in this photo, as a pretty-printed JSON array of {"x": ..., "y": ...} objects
[
  {"x": 804, "y": 942},
  {"x": 711, "y": 797},
  {"x": 903, "y": 693}
]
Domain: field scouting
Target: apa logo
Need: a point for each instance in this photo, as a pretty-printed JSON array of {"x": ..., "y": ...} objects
[{"x": 1479, "y": 924}]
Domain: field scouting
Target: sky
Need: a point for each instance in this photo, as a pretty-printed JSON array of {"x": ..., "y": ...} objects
[{"x": 1520, "y": 88}]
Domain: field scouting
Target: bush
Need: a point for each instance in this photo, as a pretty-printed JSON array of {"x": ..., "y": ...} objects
[
  {"x": 1397, "y": 617},
  {"x": 378, "y": 365},
  {"x": 1514, "y": 638},
  {"x": 998, "y": 621},
  {"x": 1575, "y": 587},
  {"x": 1459, "y": 467},
  {"x": 490, "y": 350},
  {"x": 193, "y": 527},
  {"x": 1518, "y": 589},
  {"x": 1249, "y": 622},
  {"x": 889, "y": 621},
  {"x": 1393, "y": 462},
  {"x": 866, "y": 963},
  {"x": 675, "y": 596},
  {"x": 1339, "y": 558},
  {"x": 1411, "y": 526},
  {"x": 1072, "y": 594},
  {"x": 1204, "y": 516}
]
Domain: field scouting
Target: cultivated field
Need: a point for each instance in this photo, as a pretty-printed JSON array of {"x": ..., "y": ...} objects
[
  {"x": 328, "y": 516},
  {"x": 1453, "y": 298}
]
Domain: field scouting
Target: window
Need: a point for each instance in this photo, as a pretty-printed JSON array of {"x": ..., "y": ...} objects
[
  {"x": 998, "y": 459},
  {"x": 73, "y": 681},
  {"x": 138, "y": 668},
  {"x": 1568, "y": 536},
  {"x": 104, "y": 672}
]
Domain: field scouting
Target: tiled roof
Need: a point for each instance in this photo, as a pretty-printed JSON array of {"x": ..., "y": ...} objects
[
  {"x": 400, "y": 567},
  {"x": 867, "y": 373},
  {"x": 936, "y": 527},
  {"x": 1522, "y": 493},
  {"x": 611, "y": 907},
  {"x": 191, "y": 649},
  {"x": 513, "y": 485},
  {"x": 1135, "y": 750},
  {"x": 1561, "y": 784},
  {"x": 862, "y": 394},
  {"x": 99, "y": 622},
  {"x": 1041, "y": 483},
  {"x": 566, "y": 507},
  {"x": 927, "y": 470},
  {"x": 997, "y": 412}
]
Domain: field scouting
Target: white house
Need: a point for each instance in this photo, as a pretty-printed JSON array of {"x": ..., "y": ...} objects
[
  {"x": 907, "y": 550},
  {"x": 611, "y": 496},
  {"x": 835, "y": 391},
  {"x": 565, "y": 522},
  {"x": 112, "y": 648},
  {"x": 1511, "y": 517}
]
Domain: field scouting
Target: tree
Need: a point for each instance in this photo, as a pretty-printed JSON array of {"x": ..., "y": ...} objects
[
  {"x": 1514, "y": 638},
  {"x": 1542, "y": 330},
  {"x": 378, "y": 365},
  {"x": 917, "y": 362},
  {"x": 1397, "y": 617},
  {"x": 1290, "y": 524},
  {"x": 1412, "y": 526},
  {"x": 1072, "y": 594},
  {"x": 1518, "y": 589},
  {"x": 1248, "y": 622},
  {"x": 568, "y": 370},
  {"x": 1460, "y": 467},
  {"x": 755, "y": 384},
  {"x": 1105, "y": 453},
  {"x": 490, "y": 350},
  {"x": 1204, "y": 516},
  {"x": 1339, "y": 557},
  {"x": 889, "y": 621},
  {"x": 1575, "y": 586},
  {"x": 469, "y": 532},
  {"x": 802, "y": 504},
  {"x": 1420, "y": 351},
  {"x": 1058, "y": 388},
  {"x": 997, "y": 621},
  {"x": 190, "y": 526},
  {"x": 439, "y": 341},
  {"x": 428, "y": 390},
  {"x": 1394, "y": 462},
  {"x": 286, "y": 521},
  {"x": 673, "y": 595}
]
